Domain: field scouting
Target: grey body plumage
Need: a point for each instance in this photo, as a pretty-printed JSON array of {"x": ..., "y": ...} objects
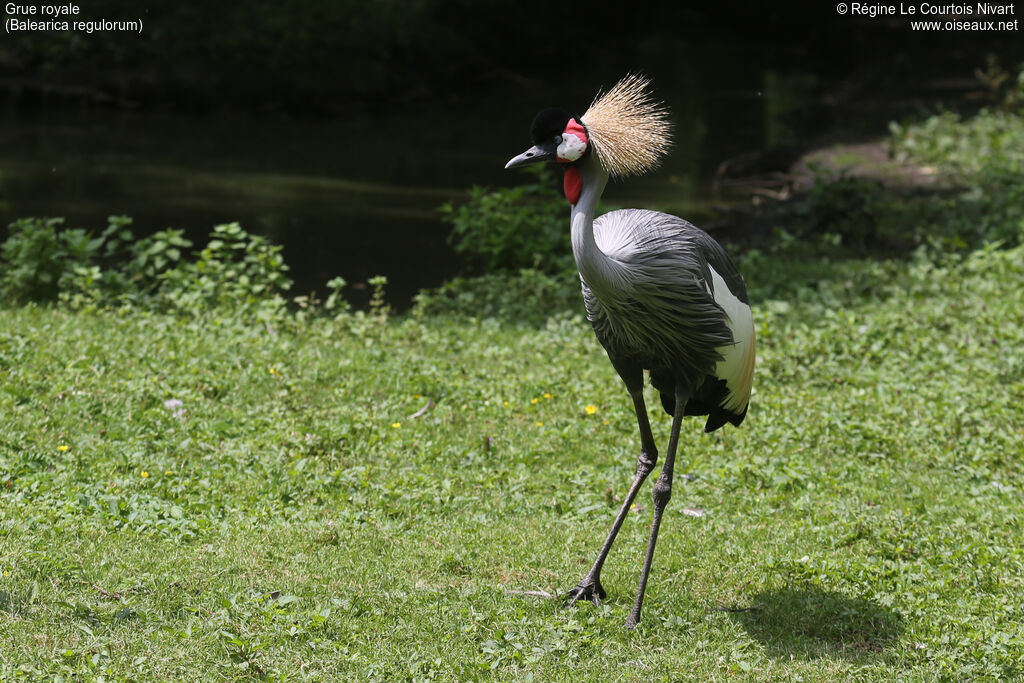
[
  {"x": 662, "y": 315},
  {"x": 661, "y": 294}
]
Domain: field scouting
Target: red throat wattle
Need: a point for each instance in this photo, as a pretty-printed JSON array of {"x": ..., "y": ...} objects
[{"x": 572, "y": 183}]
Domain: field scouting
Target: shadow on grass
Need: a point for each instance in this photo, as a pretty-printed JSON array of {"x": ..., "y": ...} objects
[{"x": 810, "y": 623}]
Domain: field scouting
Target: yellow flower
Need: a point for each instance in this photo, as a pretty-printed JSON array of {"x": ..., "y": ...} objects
[
  {"x": 416, "y": 396},
  {"x": 540, "y": 424},
  {"x": 606, "y": 422},
  {"x": 505, "y": 403},
  {"x": 6, "y": 573},
  {"x": 533, "y": 401},
  {"x": 144, "y": 474},
  {"x": 396, "y": 425},
  {"x": 591, "y": 409},
  {"x": 273, "y": 371},
  {"x": 547, "y": 395},
  {"x": 62, "y": 448},
  {"x": 168, "y": 472}
]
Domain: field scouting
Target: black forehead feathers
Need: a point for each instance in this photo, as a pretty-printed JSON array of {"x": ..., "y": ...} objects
[{"x": 548, "y": 123}]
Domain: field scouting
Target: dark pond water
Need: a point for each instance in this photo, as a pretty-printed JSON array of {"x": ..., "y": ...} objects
[{"x": 357, "y": 195}]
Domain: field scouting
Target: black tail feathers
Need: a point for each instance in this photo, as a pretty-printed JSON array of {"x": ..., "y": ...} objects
[{"x": 705, "y": 401}]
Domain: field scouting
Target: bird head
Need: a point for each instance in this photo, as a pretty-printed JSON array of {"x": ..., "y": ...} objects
[
  {"x": 627, "y": 129},
  {"x": 557, "y": 136}
]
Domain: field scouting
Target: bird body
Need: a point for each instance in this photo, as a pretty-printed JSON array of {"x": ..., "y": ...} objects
[
  {"x": 660, "y": 293},
  {"x": 673, "y": 312}
]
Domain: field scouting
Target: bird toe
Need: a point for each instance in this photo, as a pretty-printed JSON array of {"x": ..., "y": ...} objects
[{"x": 587, "y": 589}]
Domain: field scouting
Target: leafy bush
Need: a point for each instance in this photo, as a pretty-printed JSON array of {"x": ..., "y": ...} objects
[
  {"x": 39, "y": 261},
  {"x": 334, "y": 301},
  {"x": 1005, "y": 90},
  {"x": 513, "y": 228},
  {"x": 985, "y": 156},
  {"x": 35, "y": 259},
  {"x": 236, "y": 269},
  {"x": 999, "y": 196},
  {"x": 153, "y": 257},
  {"x": 842, "y": 206},
  {"x": 992, "y": 139}
]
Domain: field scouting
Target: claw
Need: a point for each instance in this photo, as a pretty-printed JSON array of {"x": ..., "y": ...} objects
[{"x": 587, "y": 589}]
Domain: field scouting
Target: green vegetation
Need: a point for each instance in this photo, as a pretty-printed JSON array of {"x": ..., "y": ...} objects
[
  {"x": 235, "y": 269},
  {"x": 975, "y": 193},
  {"x": 512, "y": 228},
  {"x": 198, "y": 482},
  {"x": 992, "y": 141},
  {"x": 984, "y": 157},
  {"x": 362, "y": 498}
]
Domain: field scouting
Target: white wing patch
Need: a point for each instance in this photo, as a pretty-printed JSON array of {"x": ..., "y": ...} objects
[
  {"x": 614, "y": 236},
  {"x": 737, "y": 364},
  {"x": 623, "y": 233}
]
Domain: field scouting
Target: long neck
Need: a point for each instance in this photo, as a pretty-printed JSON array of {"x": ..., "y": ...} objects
[{"x": 595, "y": 267}]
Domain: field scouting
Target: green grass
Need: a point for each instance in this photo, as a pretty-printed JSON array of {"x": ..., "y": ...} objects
[{"x": 368, "y": 500}]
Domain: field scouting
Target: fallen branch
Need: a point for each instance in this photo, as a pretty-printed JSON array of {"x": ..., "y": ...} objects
[
  {"x": 418, "y": 413},
  {"x": 533, "y": 594}
]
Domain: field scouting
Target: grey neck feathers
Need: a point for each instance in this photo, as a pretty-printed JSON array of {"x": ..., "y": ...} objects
[{"x": 600, "y": 272}]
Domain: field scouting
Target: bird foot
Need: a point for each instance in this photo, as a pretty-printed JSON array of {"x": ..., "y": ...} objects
[
  {"x": 631, "y": 621},
  {"x": 587, "y": 589}
]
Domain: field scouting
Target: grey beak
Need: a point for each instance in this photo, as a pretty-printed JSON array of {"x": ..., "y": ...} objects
[{"x": 534, "y": 155}]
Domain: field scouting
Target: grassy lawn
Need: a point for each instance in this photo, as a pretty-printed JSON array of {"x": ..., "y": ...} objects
[{"x": 359, "y": 499}]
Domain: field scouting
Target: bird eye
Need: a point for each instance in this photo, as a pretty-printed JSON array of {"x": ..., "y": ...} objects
[{"x": 558, "y": 139}]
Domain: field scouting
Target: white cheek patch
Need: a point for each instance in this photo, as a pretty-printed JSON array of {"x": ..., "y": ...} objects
[{"x": 571, "y": 148}]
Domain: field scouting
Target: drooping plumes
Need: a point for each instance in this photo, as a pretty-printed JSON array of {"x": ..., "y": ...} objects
[{"x": 628, "y": 128}]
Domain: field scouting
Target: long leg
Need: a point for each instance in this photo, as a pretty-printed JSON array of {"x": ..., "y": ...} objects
[
  {"x": 589, "y": 588},
  {"x": 662, "y": 494}
]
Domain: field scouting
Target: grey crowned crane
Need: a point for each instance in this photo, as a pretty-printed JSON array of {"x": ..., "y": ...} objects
[{"x": 661, "y": 294}]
